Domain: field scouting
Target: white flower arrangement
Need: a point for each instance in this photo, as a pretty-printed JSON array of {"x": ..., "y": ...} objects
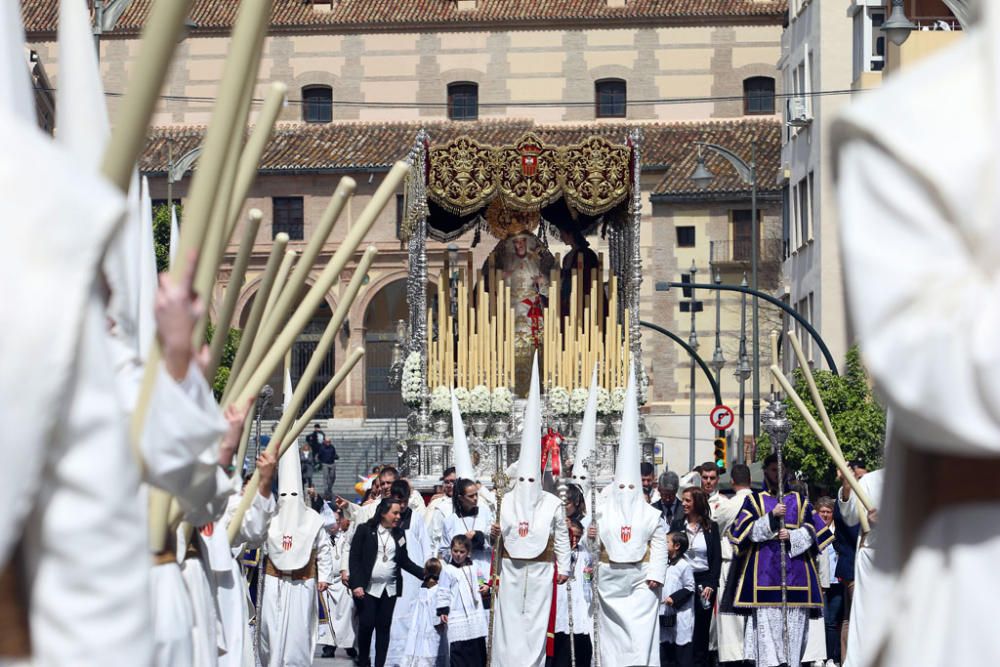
[
  {"x": 643, "y": 387},
  {"x": 603, "y": 401},
  {"x": 618, "y": 400},
  {"x": 578, "y": 400},
  {"x": 479, "y": 400},
  {"x": 441, "y": 399},
  {"x": 502, "y": 401},
  {"x": 559, "y": 401},
  {"x": 462, "y": 396},
  {"x": 413, "y": 382}
]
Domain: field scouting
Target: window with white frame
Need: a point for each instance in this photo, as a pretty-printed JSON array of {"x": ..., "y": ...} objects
[
  {"x": 869, "y": 41},
  {"x": 805, "y": 222}
]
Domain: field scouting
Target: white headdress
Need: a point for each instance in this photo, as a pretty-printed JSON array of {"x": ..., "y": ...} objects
[
  {"x": 588, "y": 438},
  {"x": 292, "y": 533},
  {"x": 625, "y": 503},
  {"x": 528, "y": 486},
  {"x": 460, "y": 444}
]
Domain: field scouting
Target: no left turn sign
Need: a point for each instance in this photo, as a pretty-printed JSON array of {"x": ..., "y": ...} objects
[{"x": 721, "y": 417}]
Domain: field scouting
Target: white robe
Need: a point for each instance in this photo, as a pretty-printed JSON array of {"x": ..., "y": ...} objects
[
  {"x": 578, "y": 587},
  {"x": 173, "y": 617},
  {"x": 418, "y": 548},
  {"x": 64, "y": 427},
  {"x": 231, "y": 587},
  {"x": 871, "y": 587},
  {"x": 728, "y": 627},
  {"x": 629, "y": 610},
  {"x": 456, "y": 525},
  {"x": 525, "y": 597},
  {"x": 926, "y": 316},
  {"x": 288, "y": 624},
  {"x": 339, "y": 603}
]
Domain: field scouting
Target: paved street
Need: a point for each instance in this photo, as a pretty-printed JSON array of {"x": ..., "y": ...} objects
[{"x": 340, "y": 661}]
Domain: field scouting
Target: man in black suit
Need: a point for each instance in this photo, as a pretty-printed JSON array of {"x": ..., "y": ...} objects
[
  {"x": 378, "y": 551},
  {"x": 669, "y": 506}
]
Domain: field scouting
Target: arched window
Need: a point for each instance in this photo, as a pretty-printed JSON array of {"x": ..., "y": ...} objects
[
  {"x": 758, "y": 95},
  {"x": 609, "y": 98},
  {"x": 463, "y": 100},
  {"x": 317, "y": 104}
]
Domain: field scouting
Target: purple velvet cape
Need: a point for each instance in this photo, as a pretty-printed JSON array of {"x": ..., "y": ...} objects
[{"x": 758, "y": 564}]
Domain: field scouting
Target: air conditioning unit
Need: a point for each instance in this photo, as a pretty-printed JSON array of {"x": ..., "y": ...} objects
[{"x": 798, "y": 112}]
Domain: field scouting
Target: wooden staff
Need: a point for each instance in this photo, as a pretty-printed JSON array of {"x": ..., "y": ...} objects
[
  {"x": 279, "y": 448},
  {"x": 315, "y": 363},
  {"x": 280, "y": 280},
  {"x": 302, "y": 422},
  {"x": 817, "y": 401},
  {"x": 317, "y": 293},
  {"x": 162, "y": 33},
  {"x": 287, "y": 296},
  {"x": 257, "y": 310},
  {"x": 838, "y": 458},
  {"x": 222, "y": 321},
  {"x": 253, "y": 152},
  {"x": 250, "y": 25}
]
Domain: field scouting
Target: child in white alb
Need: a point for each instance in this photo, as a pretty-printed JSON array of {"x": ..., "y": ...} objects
[
  {"x": 462, "y": 606},
  {"x": 424, "y": 639},
  {"x": 578, "y": 587},
  {"x": 677, "y": 610}
]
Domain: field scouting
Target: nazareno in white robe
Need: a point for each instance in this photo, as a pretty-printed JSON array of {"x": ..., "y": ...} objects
[
  {"x": 525, "y": 597},
  {"x": 339, "y": 603},
  {"x": 628, "y": 610},
  {"x": 87, "y": 572},
  {"x": 921, "y": 245},
  {"x": 728, "y": 627},
  {"x": 871, "y": 587},
  {"x": 230, "y": 588},
  {"x": 289, "y": 613}
]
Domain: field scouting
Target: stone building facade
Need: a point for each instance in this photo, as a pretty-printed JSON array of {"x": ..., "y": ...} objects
[{"x": 365, "y": 76}]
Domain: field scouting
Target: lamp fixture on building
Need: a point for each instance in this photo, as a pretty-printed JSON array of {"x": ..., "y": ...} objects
[
  {"x": 701, "y": 175},
  {"x": 898, "y": 27}
]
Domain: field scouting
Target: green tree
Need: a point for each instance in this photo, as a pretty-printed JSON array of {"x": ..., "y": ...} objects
[
  {"x": 857, "y": 419},
  {"x": 161, "y": 242}
]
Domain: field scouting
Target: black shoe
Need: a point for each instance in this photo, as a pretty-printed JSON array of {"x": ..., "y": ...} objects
[
  {"x": 329, "y": 651},
  {"x": 351, "y": 653}
]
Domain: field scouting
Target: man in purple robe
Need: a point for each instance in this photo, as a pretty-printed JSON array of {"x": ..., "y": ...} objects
[{"x": 765, "y": 525}]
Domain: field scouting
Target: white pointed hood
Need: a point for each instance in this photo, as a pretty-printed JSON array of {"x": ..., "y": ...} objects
[
  {"x": 146, "y": 319},
  {"x": 292, "y": 532},
  {"x": 460, "y": 455},
  {"x": 528, "y": 484},
  {"x": 627, "y": 521},
  {"x": 83, "y": 125},
  {"x": 526, "y": 519},
  {"x": 15, "y": 84},
  {"x": 586, "y": 444},
  {"x": 175, "y": 234}
]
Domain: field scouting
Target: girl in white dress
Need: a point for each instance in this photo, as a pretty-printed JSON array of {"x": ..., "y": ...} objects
[
  {"x": 462, "y": 605},
  {"x": 424, "y": 638}
]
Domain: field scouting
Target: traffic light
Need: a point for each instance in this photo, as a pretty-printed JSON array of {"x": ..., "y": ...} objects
[{"x": 720, "y": 453}]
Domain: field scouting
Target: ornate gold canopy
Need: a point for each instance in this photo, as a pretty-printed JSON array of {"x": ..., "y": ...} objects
[{"x": 465, "y": 176}]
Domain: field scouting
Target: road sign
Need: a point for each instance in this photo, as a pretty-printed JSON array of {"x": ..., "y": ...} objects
[{"x": 721, "y": 417}]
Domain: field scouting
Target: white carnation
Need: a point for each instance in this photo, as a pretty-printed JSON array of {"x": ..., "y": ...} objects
[
  {"x": 462, "y": 396},
  {"x": 502, "y": 401},
  {"x": 618, "y": 399},
  {"x": 479, "y": 400},
  {"x": 603, "y": 401},
  {"x": 441, "y": 399},
  {"x": 413, "y": 383},
  {"x": 578, "y": 400},
  {"x": 559, "y": 401}
]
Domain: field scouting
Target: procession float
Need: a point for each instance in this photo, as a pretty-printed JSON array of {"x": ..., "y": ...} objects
[{"x": 477, "y": 333}]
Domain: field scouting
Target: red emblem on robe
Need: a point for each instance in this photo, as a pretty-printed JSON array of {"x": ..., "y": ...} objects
[
  {"x": 286, "y": 542},
  {"x": 208, "y": 529},
  {"x": 529, "y": 160},
  {"x": 522, "y": 528},
  {"x": 626, "y": 533}
]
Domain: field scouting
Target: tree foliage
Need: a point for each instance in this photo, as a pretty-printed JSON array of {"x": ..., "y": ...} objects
[
  {"x": 857, "y": 418},
  {"x": 161, "y": 243}
]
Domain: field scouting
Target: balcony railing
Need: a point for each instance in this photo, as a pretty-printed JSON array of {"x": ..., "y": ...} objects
[{"x": 771, "y": 251}]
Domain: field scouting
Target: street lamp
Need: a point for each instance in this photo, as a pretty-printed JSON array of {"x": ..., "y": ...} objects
[
  {"x": 898, "y": 27},
  {"x": 748, "y": 172},
  {"x": 176, "y": 170},
  {"x": 743, "y": 369},
  {"x": 693, "y": 342},
  {"x": 718, "y": 359}
]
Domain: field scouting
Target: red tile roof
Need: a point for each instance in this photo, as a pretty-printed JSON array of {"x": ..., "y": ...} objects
[
  {"x": 218, "y": 15},
  {"x": 348, "y": 146}
]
